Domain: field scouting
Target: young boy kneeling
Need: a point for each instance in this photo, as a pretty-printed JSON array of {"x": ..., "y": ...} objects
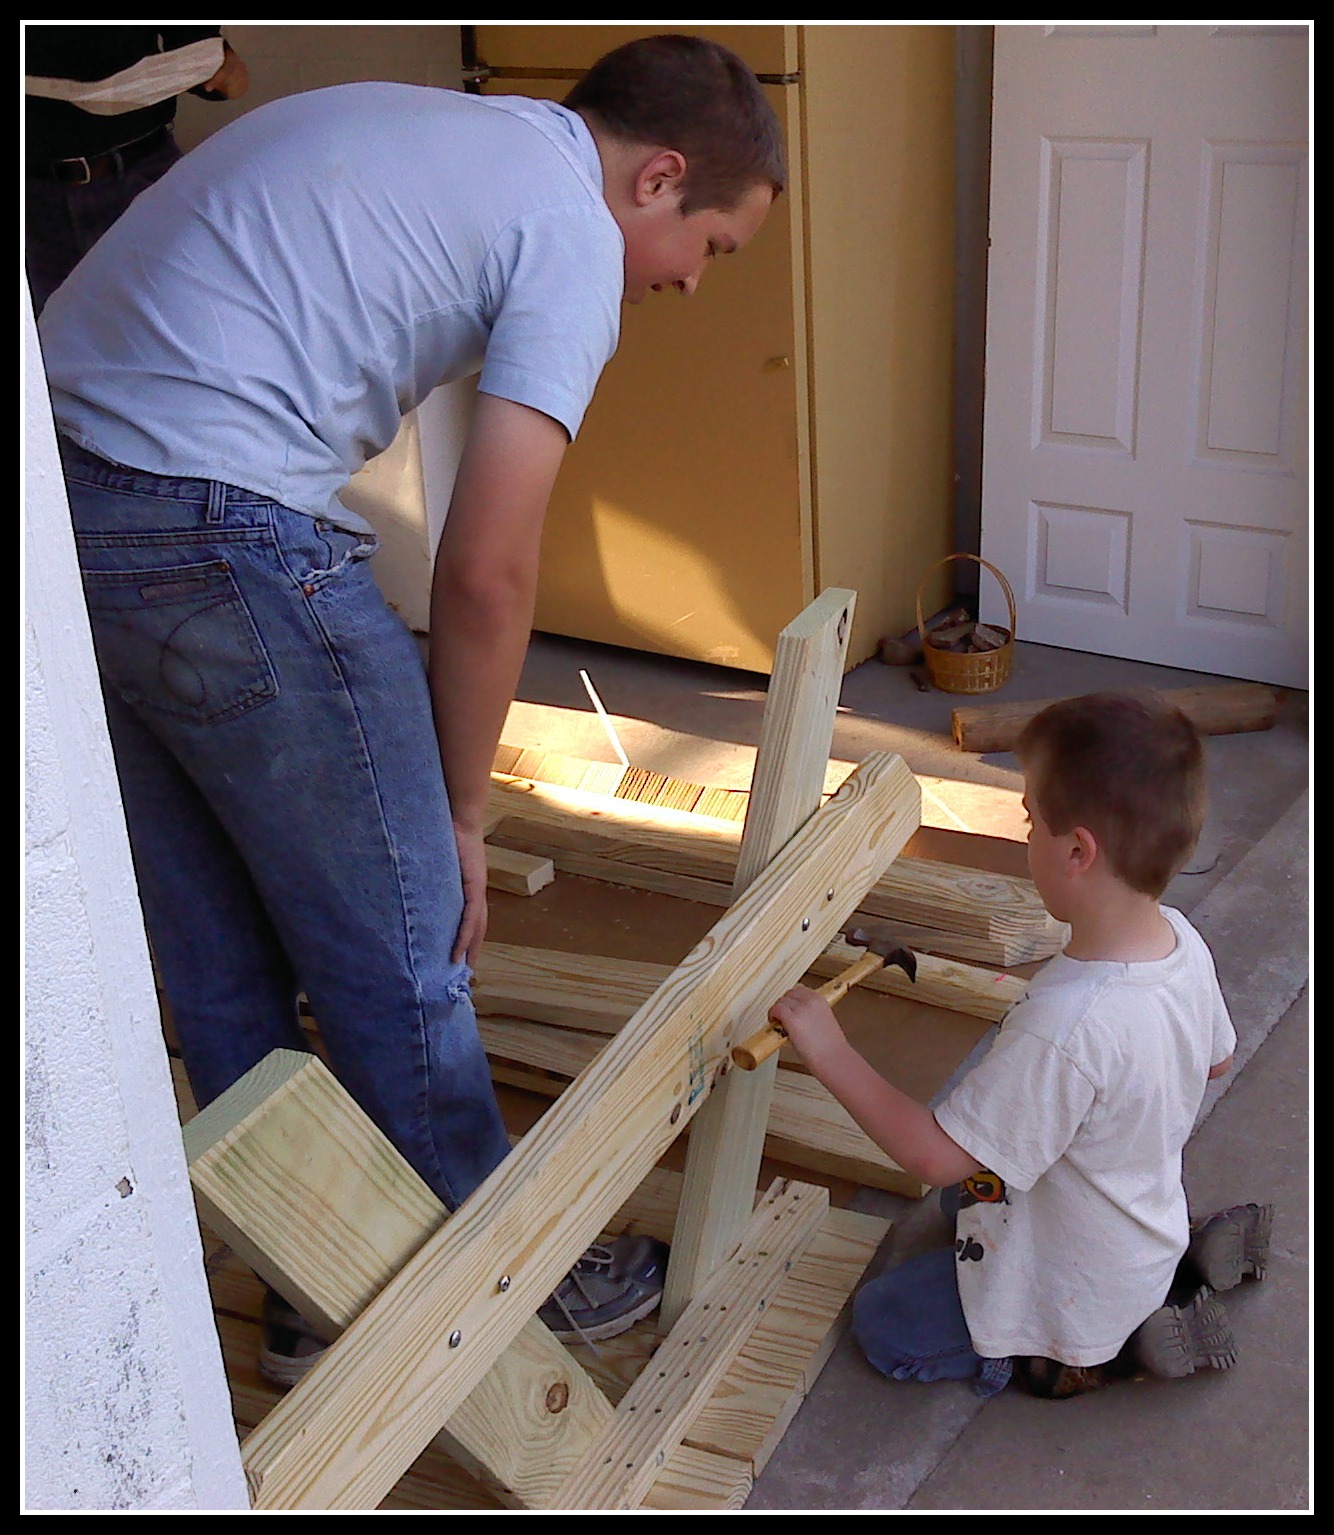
[{"x": 1074, "y": 1263}]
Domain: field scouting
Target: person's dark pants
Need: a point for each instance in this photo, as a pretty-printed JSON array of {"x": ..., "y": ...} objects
[{"x": 63, "y": 221}]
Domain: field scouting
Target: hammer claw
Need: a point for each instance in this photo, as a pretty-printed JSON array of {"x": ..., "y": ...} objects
[{"x": 888, "y": 945}]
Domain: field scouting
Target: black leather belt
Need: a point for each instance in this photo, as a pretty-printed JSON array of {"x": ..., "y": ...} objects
[{"x": 82, "y": 169}]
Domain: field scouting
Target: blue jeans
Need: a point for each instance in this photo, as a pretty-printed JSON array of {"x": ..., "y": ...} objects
[
  {"x": 287, "y": 812},
  {"x": 910, "y": 1324}
]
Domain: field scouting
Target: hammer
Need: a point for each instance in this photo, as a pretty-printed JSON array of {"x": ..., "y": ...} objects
[{"x": 881, "y": 949}]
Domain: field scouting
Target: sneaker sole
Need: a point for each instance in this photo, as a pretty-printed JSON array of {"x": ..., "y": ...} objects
[
  {"x": 1234, "y": 1246},
  {"x": 1176, "y": 1341}
]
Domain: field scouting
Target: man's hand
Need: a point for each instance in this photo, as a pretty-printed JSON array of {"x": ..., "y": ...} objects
[
  {"x": 472, "y": 867},
  {"x": 230, "y": 80}
]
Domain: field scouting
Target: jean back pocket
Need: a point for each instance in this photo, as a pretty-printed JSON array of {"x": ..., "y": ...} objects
[{"x": 179, "y": 640}]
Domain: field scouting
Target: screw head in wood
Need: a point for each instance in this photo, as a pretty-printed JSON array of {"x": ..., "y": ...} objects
[
  {"x": 503, "y": 1283},
  {"x": 455, "y": 1338},
  {"x": 805, "y": 924}
]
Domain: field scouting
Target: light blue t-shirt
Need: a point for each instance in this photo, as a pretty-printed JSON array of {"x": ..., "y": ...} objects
[{"x": 267, "y": 312}]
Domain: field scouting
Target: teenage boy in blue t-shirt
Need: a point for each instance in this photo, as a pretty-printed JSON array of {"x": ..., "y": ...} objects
[{"x": 305, "y": 805}]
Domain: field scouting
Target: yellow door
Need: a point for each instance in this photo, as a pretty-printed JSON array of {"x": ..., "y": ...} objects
[{"x": 681, "y": 520}]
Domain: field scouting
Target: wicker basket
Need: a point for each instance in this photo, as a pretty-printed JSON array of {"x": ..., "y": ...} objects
[{"x": 968, "y": 672}]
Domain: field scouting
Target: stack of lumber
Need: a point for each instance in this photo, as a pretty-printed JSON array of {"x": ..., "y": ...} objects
[
  {"x": 946, "y": 909},
  {"x": 626, "y": 783},
  {"x": 546, "y": 1013}
]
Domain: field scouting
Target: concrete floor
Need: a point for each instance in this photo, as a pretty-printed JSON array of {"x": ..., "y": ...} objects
[{"x": 1237, "y": 1441}]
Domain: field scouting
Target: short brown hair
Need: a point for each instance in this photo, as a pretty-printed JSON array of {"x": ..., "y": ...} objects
[
  {"x": 1130, "y": 769},
  {"x": 694, "y": 96}
]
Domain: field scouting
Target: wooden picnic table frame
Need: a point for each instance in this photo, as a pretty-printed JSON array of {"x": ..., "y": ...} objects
[{"x": 445, "y": 1313}]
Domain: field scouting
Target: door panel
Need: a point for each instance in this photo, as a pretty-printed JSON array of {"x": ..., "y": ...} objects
[{"x": 1144, "y": 480}]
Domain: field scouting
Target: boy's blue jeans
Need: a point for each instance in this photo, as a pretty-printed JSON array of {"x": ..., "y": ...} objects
[
  {"x": 287, "y": 812},
  {"x": 910, "y": 1324}
]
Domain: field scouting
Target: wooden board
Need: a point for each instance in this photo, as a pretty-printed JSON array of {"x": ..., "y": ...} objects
[
  {"x": 343, "y": 1437},
  {"x": 728, "y": 1142},
  {"x": 753, "y": 1405},
  {"x": 959, "y": 910},
  {"x": 292, "y": 1173},
  {"x": 654, "y": 1415},
  {"x": 1217, "y": 709},
  {"x": 807, "y": 1126},
  {"x": 588, "y": 991},
  {"x": 519, "y": 873}
]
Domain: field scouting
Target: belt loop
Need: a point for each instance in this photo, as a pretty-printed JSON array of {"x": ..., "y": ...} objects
[{"x": 217, "y": 501}]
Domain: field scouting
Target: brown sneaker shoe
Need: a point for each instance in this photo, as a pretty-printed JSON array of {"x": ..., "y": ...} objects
[{"x": 1057, "y": 1382}]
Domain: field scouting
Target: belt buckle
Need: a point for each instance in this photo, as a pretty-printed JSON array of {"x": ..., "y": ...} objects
[{"x": 73, "y": 163}]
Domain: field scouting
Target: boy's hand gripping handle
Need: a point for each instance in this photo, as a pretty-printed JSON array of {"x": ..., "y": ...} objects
[{"x": 762, "y": 1044}]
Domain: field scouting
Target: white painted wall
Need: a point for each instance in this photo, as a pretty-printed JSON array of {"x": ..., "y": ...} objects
[
  {"x": 126, "y": 1404},
  {"x": 286, "y": 57}
]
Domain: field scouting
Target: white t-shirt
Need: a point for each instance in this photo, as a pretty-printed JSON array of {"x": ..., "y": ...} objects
[
  {"x": 267, "y": 313},
  {"x": 1080, "y": 1111}
]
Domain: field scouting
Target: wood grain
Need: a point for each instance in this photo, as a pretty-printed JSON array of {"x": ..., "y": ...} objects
[
  {"x": 652, "y": 1418},
  {"x": 346, "y": 1433},
  {"x": 293, "y": 1175}
]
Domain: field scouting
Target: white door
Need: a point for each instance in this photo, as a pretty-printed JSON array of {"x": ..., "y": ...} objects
[{"x": 1145, "y": 448}]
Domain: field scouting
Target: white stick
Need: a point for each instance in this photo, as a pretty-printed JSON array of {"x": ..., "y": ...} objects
[{"x": 606, "y": 720}]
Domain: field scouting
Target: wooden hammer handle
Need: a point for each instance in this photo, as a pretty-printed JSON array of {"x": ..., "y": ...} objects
[{"x": 762, "y": 1044}]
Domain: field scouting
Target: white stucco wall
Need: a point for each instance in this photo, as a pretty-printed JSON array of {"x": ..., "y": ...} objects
[{"x": 126, "y": 1403}]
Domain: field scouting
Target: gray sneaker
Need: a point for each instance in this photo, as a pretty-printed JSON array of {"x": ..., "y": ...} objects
[
  {"x": 1178, "y": 1340},
  {"x": 1232, "y": 1246},
  {"x": 610, "y": 1289}
]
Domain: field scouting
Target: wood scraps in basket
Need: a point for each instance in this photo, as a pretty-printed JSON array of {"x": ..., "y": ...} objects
[{"x": 953, "y": 632}]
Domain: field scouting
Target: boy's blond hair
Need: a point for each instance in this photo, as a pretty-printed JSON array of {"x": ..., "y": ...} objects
[{"x": 1130, "y": 769}]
